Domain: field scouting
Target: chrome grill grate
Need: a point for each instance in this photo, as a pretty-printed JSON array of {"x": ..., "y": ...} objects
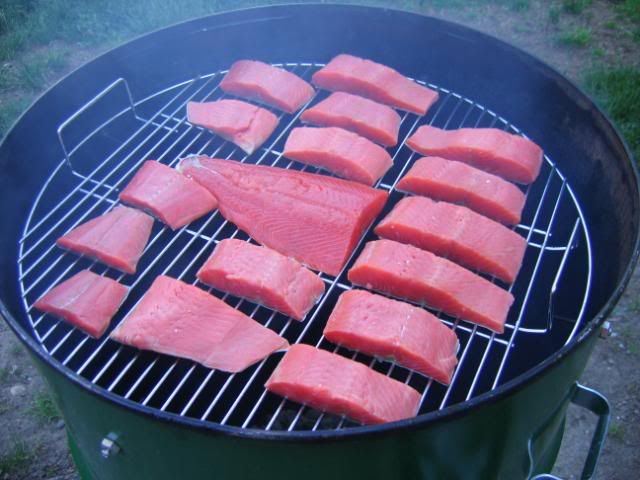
[{"x": 86, "y": 182}]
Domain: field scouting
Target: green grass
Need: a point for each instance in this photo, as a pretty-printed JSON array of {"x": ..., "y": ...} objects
[
  {"x": 91, "y": 22},
  {"x": 611, "y": 25},
  {"x": 630, "y": 9},
  {"x": 575, "y": 7},
  {"x": 16, "y": 460},
  {"x": 45, "y": 408},
  {"x": 616, "y": 431},
  {"x": 580, "y": 37},
  {"x": 618, "y": 91}
]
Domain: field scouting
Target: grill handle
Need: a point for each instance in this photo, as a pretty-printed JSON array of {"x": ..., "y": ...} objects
[
  {"x": 597, "y": 404},
  {"x": 84, "y": 108}
]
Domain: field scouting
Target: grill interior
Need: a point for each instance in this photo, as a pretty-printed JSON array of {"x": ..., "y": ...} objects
[{"x": 101, "y": 157}]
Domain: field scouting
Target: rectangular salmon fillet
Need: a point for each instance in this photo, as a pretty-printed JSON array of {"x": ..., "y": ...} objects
[
  {"x": 86, "y": 300},
  {"x": 373, "y": 80},
  {"x": 315, "y": 219},
  {"x": 407, "y": 272},
  {"x": 457, "y": 182},
  {"x": 181, "y": 320},
  {"x": 513, "y": 157},
  {"x": 262, "y": 275},
  {"x": 339, "y": 151},
  {"x": 455, "y": 232},
  {"x": 246, "y": 125},
  {"x": 171, "y": 197},
  {"x": 391, "y": 329},
  {"x": 335, "y": 384},
  {"x": 365, "y": 117},
  {"x": 116, "y": 238},
  {"x": 267, "y": 84}
]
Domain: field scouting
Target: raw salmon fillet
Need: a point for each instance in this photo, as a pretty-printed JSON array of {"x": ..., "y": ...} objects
[
  {"x": 455, "y": 232},
  {"x": 86, "y": 300},
  {"x": 116, "y": 238},
  {"x": 315, "y": 219},
  {"x": 267, "y": 84},
  {"x": 171, "y": 197},
  {"x": 388, "y": 328},
  {"x": 375, "y": 81},
  {"x": 339, "y": 151},
  {"x": 246, "y": 125},
  {"x": 513, "y": 157},
  {"x": 262, "y": 275},
  {"x": 365, "y": 117},
  {"x": 407, "y": 272},
  {"x": 458, "y": 182},
  {"x": 181, "y": 320},
  {"x": 335, "y": 384}
]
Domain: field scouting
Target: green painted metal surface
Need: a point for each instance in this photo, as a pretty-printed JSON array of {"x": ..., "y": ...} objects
[{"x": 486, "y": 442}]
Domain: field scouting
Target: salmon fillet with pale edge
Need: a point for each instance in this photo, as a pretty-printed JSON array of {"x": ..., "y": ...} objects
[
  {"x": 181, "y": 320},
  {"x": 86, "y": 300},
  {"x": 338, "y": 385},
  {"x": 455, "y": 232},
  {"x": 315, "y": 219},
  {"x": 267, "y": 84},
  {"x": 394, "y": 330},
  {"x": 116, "y": 238},
  {"x": 263, "y": 275},
  {"x": 513, "y": 157},
  {"x": 407, "y": 272},
  {"x": 365, "y": 117},
  {"x": 375, "y": 81},
  {"x": 339, "y": 151},
  {"x": 457, "y": 182},
  {"x": 171, "y": 197},
  {"x": 246, "y": 125}
]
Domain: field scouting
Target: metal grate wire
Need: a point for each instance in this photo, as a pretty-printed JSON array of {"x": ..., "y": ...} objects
[{"x": 79, "y": 188}]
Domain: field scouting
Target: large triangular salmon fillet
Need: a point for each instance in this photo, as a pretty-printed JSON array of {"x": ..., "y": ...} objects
[
  {"x": 184, "y": 321},
  {"x": 315, "y": 219}
]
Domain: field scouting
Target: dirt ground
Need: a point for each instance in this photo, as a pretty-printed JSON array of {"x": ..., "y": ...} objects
[{"x": 32, "y": 440}]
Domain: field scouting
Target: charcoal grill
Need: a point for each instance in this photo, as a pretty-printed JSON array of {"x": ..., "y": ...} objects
[{"x": 563, "y": 292}]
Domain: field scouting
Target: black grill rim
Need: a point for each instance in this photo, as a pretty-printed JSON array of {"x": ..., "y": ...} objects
[{"x": 463, "y": 408}]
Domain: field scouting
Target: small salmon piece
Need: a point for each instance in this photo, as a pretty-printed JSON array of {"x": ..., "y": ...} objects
[
  {"x": 86, "y": 300},
  {"x": 246, "y": 125},
  {"x": 181, "y": 320},
  {"x": 317, "y": 220},
  {"x": 171, "y": 197},
  {"x": 407, "y": 272},
  {"x": 388, "y": 328},
  {"x": 457, "y": 182},
  {"x": 335, "y": 384},
  {"x": 339, "y": 151},
  {"x": 267, "y": 84},
  {"x": 262, "y": 275},
  {"x": 455, "y": 232},
  {"x": 375, "y": 81},
  {"x": 365, "y": 117},
  {"x": 513, "y": 157},
  {"x": 116, "y": 238}
]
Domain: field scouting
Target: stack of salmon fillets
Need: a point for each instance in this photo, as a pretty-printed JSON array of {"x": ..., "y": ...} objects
[{"x": 438, "y": 247}]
